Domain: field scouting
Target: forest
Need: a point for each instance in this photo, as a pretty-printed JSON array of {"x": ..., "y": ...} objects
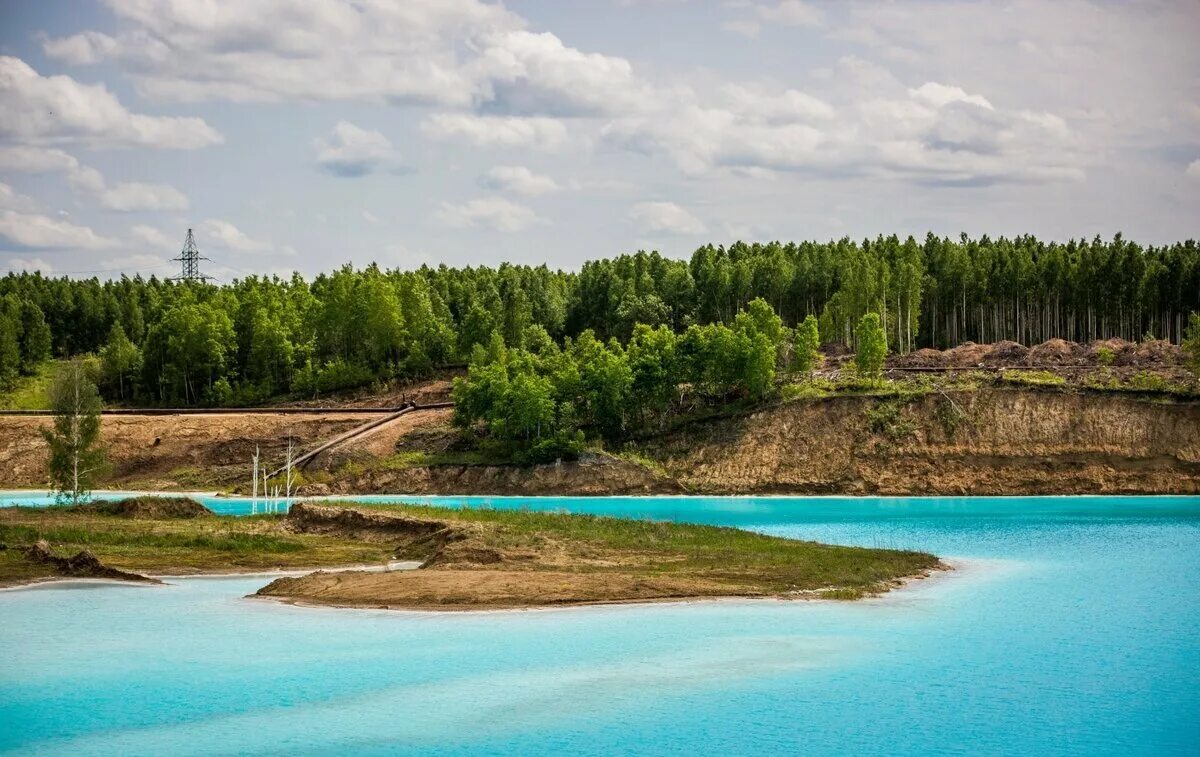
[{"x": 160, "y": 342}]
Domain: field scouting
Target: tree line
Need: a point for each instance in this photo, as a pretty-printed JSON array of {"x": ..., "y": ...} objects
[
  {"x": 536, "y": 402},
  {"x": 162, "y": 342}
]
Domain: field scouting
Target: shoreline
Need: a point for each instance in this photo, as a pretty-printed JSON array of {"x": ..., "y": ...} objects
[
  {"x": 945, "y": 569},
  {"x": 366, "y": 498},
  {"x": 952, "y": 567},
  {"x": 393, "y": 566}
]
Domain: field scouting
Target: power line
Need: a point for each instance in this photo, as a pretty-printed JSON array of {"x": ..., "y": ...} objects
[{"x": 189, "y": 261}]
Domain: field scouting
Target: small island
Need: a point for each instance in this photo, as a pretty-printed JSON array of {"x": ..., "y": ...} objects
[{"x": 468, "y": 559}]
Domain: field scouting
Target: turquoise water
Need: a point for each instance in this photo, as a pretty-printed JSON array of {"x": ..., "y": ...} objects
[{"x": 1072, "y": 626}]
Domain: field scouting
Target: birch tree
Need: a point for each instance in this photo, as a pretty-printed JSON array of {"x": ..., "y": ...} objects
[{"x": 75, "y": 453}]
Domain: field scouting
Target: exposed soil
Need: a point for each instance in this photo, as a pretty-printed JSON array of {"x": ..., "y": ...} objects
[
  {"x": 992, "y": 441},
  {"x": 592, "y": 475},
  {"x": 989, "y": 441},
  {"x": 482, "y": 564},
  {"x": 1159, "y": 357},
  {"x": 490, "y": 590},
  {"x": 147, "y": 508},
  {"x": 84, "y": 564},
  {"x": 172, "y": 452},
  {"x": 423, "y": 392}
]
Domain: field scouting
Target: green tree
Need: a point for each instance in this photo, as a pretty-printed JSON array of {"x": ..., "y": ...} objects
[
  {"x": 10, "y": 352},
  {"x": 75, "y": 453},
  {"x": 120, "y": 360},
  {"x": 35, "y": 337},
  {"x": 806, "y": 346},
  {"x": 1191, "y": 343},
  {"x": 269, "y": 359},
  {"x": 872, "y": 346},
  {"x": 656, "y": 374}
]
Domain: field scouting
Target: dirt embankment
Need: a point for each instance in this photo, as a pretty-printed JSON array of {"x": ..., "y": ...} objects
[
  {"x": 1121, "y": 359},
  {"x": 593, "y": 475},
  {"x": 165, "y": 452},
  {"x": 83, "y": 564},
  {"x": 990, "y": 441},
  {"x": 146, "y": 508},
  {"x": 982, "y": 442}
]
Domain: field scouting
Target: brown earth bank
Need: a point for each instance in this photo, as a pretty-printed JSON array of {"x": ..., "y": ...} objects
[
  {"x": 83, "y": 564},
  {"x": 500, "y": 560},
  {"x": 993, "y": 441},
  {"x": 985, "y": 442}
]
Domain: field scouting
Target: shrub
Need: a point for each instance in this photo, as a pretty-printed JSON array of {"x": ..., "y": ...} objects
[{"x": 887, "y": 419}]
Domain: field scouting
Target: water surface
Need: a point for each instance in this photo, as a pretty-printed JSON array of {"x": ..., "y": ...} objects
[{"x": 1073, "y": 626}]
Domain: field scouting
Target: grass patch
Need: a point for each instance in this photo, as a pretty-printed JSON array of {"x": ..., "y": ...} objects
[
  {"x": 1032, "y": 378},
  {"x": 217, "y": 543},
  {"x": 746, "y": 562},
  {"x": 31, "y": 392},
  {"x": 589, "y": 555}
]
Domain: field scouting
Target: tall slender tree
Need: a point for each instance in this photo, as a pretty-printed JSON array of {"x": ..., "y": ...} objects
[{"x": 75, "y": 453}]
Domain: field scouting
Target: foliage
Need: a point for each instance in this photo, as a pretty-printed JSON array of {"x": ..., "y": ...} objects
[
  {"x": 31, "y": 392},
  {"x": 75, "y": 454},
  {"x": 806, "y": 348},
  {"x": 1105, "y": 356},
  {"x": 1191, "y": 343},
  {"x": 1032, "y": 378},
  {"x": 540, "y": 400},
  {"x": 887, "y": 419},
  {"x": 267, "y": 336},
  {"x": 872, "y": 346},
  {"x": 1148, "y": 381},
  {"x": 121, "y": 361}
]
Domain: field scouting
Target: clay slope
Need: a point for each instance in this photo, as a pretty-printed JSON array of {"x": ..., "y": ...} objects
[{"x": 984, "y": 442}]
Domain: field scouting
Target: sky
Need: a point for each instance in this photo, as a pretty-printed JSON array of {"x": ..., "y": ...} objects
[{"x": 299, "y": 135}]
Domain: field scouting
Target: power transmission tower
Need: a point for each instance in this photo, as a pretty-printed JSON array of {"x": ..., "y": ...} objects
[{"x": 189, "y": 261}]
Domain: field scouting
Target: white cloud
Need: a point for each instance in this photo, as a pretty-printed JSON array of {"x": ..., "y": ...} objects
[
  {"x": 35, "y": 230},
  {"x": 496, "y": 131},
  {"x": 932, "y": 134},
  {"x": 782, "y": 13},
  {"x": 791, "y": 13},
  {"x": 11, "y": 199},
  {"x": 519, "y": 180},
  {"x": 371, "y": 218},
  {"x": 452, "y": 53},
  {"x": 666, "y": 218},
  {"x": 1193, "y": 169},
  {"x": 152, "y": 237},
  {"x": 789, "y": 106},
  {"x": 489, "y": 212},
  {"x": 135, "y": 262},
  {"x": 57, "y": 109},
  {"x": 135, "y": 196},
  {"x": 527, "y": 73},
  {"x": 351, "y": 151},
  {"x": 30, "y": 264},
  {"x": 122, "y": 197},
  {"x": 939, "y": 95},
  {"x": 225, "y": 235}
]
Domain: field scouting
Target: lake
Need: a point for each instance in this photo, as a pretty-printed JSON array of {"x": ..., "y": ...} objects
[{"x": 1071, "y": 626}]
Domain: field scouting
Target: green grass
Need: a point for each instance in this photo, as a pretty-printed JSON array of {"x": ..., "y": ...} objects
[
  {"x": 216, "y": 543},
  {"x": 31, "y": 392},
  {"x": 1032, "y": 378},
  {"x": 741, "y": 558},
  {"x": 742, "y": 562}
]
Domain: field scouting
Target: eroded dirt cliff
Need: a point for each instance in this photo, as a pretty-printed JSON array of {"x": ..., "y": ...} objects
[
  {"x": 982, "y": 442},
  {"x": 989, "y": 441}
]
